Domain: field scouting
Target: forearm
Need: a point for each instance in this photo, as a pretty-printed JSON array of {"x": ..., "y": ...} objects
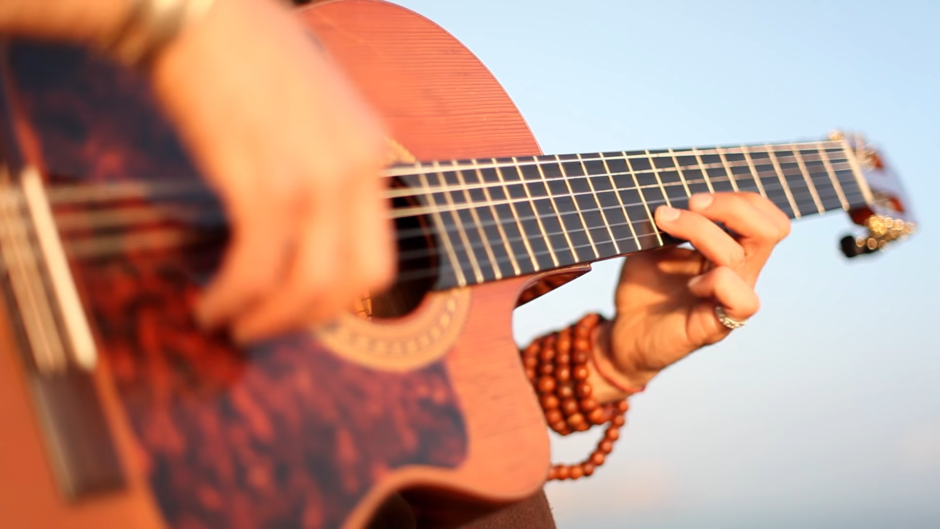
[{"x": 69, "y": 20}]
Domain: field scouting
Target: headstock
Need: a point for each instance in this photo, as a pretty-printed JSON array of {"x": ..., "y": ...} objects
[{"x": 887, "y": 216}]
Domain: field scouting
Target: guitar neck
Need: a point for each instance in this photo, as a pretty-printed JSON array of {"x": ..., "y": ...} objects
[{"x": 507, "y": 217}]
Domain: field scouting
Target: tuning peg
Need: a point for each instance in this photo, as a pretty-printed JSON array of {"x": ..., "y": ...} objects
[{"x": 882, "y": 230}]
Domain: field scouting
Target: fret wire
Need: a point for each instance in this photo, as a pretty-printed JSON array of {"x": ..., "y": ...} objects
[
  {"x": 685, "y": 184},
  {"x": 646, "y": 206},
  {"x": 798, "y": 156},
  {"x": 658, "y": 179},
  {"x": 698, "y": 156},
  {"x": 857, "y": 171},
  {"x": 824, "y": 156},
  {"x": 772, "y": 156},
  {"x": 577, "y": 207},
  {"x": 616, "y": 192},
  {"x": 753, "y": 168},
  {"x": 474, "y": 265},
  {"x": 448, "y": 244},
  {"x": 703, "y": 166},
  {"x": 724, "y": 162},
  {"x": 594, "y": 194},
  {"x": 402, "y": 170},
  {"x": 803, "y": 198},
  {"x": 499, "y": 226},
  {"x": 636, "y": 238},
  {"x": 551, "y": 198},
  {"x": 548, "y": 242},
  {"x": 515, "y": 214},
  {"x": 487, "y": 247},
  {"x": 417, "y": 211}
]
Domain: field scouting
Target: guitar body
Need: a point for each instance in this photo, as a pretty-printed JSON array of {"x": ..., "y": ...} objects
[{"x": 316, "y": 429}]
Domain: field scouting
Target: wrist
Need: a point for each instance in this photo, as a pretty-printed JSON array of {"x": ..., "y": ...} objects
[{"x": 618, "y": 364}]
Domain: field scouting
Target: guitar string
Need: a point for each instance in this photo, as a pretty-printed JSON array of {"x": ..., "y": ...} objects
[
  {"x": 436, "y": 251},
  {"x": 151, "y": 213},
  {"x": 804, "y": 198},
  {"x": 67, "y": 194},
  {"x": 86, "y": 192}
]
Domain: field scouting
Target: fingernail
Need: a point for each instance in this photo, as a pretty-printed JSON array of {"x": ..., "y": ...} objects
[
  {"x": 700, "y": 201},
  {"x": 694, "y": 281},
  {"x": 667, "y": 213}
]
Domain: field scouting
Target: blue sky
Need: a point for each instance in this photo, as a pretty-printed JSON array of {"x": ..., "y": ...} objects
[{"x": 825, "y": 410}]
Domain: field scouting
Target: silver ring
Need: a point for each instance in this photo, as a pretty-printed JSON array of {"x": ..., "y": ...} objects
[{"x": 728, "y": 322}]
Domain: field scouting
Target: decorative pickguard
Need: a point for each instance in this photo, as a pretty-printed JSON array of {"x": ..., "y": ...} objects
[{"x": 288, "y": 433}]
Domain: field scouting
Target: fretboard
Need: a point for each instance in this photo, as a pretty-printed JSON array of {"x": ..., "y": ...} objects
[{"x": 507, "y": 217}]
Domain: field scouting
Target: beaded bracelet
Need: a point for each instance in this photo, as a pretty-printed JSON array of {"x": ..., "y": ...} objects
[{"x": 557, "y": 367}]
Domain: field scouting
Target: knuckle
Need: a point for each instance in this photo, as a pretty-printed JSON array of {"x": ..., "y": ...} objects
[
  {"x": 785, "y": 228},
  {"x": 723, "y": 275},
  {"x": 737, "y": 257},
  {"x": 751, "y": 304}
]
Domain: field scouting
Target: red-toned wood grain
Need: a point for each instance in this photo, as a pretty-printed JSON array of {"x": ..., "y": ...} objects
[{"x": 285, "y": 433}]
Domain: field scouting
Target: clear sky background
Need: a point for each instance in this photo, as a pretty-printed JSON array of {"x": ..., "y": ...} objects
[{"x": 824, "y": 412}]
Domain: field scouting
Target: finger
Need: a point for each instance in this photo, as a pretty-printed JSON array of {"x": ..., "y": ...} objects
[
  {"x": 768, "y": 207},
  {"x": 728, "y": 289},
  {"x": 257, "y": 254},
  {"x": 758, "y": 228},
  {"x": 739, "y": 214},
  {"x": 713, "y": 242},
  {"x": 313, "y": 289},
  {"x": 374, "y": 246}
]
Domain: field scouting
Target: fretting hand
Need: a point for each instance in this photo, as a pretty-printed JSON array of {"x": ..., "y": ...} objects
[{"x": 666, "y": 298}]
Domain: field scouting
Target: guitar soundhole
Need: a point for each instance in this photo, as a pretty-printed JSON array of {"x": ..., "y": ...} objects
[{"x": 417, "y": 266}]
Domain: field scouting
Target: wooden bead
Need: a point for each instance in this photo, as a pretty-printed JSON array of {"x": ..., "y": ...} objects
[
  {"x": 605, "y": 447},
  {"x": 575, "y": 420},
  {"x": 562, "y": 472},
  {"x": 530, "y": 362},
  {"x": 554, "y": 415},
  {"x": 618, "y": 420},
  {"x": 559, "y": 426},
  {"x": 565, "y": 391},
  {"x": 612, "y": 433},
  {"x": 548, "y": 402},
  {"x": 563, "y": 374},
  {"x": 587, "y": 405},
  {"x": 588, "y": 468},
  {"x": 569, "y": 406},
  {"x": 622, "y": 406},
  {"x": 546, "y": 384},
  {"x": 546, "y": 369},
  {"x": 532, "y": 349},
  {"x": 563, "y": 346},
  {"x": 580, "y": 373},
  {"x": 583, "y": 427},
  {"x": 597, "y": 416},
  {"x": 575, "y": 472},
  {"x": 582, "y": 345},
  {"x": 597, "y": 458},
  {"x": 563, "y": 359},
  {"x": 584, "y": 390},
  {"x": 530, "y": 374},
  {"x": 579, "y": 358},
  {"x": 551, "y": 474},
  {"x": 547, "y": 354}
]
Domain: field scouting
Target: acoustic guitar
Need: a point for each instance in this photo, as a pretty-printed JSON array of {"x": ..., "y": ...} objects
[{"x": 116, "y": 412}]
